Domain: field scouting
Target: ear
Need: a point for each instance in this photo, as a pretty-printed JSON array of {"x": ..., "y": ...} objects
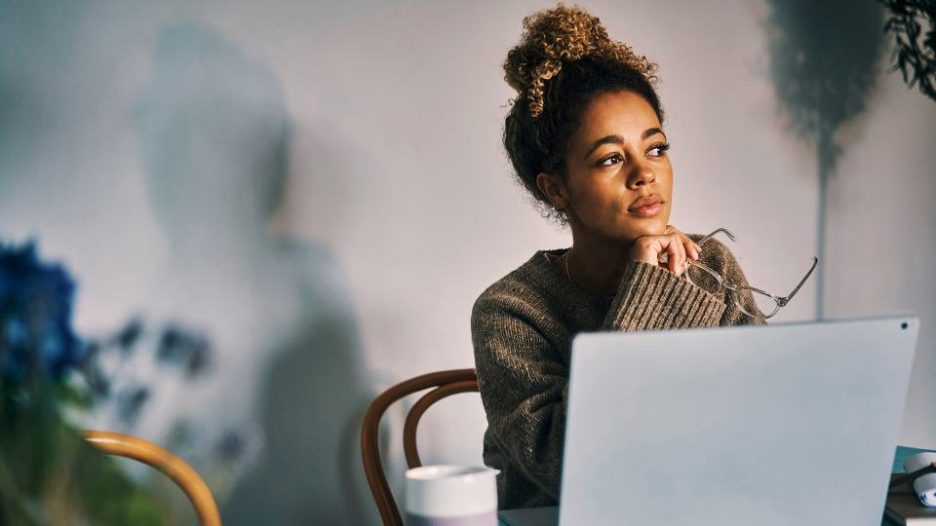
[{"x": 553, "y": 187}]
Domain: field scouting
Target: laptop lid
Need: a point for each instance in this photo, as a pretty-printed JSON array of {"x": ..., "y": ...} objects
[{"x": 779, "y": 424}]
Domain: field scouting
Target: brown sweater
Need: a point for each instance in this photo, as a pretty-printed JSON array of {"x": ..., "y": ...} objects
[{"x": 522, "y": 327}]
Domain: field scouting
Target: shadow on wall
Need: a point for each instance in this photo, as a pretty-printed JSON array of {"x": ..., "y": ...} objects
[
  {"x": 35, "y": 54},
  {"x": 214, "y": 137},
  {"x": 824, "y": 62}
]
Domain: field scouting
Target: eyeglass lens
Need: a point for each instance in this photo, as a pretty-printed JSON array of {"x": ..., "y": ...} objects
[{"x": 711, "y": 282}]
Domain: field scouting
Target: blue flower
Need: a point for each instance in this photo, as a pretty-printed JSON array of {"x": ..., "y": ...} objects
[{"x": 36, "y": 336}]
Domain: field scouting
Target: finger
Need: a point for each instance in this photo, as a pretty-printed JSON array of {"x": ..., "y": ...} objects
[
  {"x": 690, "y": 247},
  {"x": 648, "y": 250},
  {"x": 661, "y": 254},
  {"x": 676, "y": 253},
  {"x": 673, "y": 255},
  {"x": 692, "y": 250},
  {"x": 681, "y": 247}
]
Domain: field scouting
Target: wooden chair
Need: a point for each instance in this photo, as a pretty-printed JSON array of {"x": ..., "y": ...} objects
[
  {"x": 129, "y": 446},
  {"x": 446, "y": 383}
]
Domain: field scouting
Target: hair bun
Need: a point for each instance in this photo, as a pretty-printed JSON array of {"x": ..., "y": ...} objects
[{"x": 559, "y": 35}]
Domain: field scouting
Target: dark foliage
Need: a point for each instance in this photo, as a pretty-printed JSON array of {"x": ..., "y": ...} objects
[{"x": 913, "y": 26}]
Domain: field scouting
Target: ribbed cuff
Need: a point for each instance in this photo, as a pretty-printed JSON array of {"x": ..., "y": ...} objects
[{"x": 651, "y": 297}]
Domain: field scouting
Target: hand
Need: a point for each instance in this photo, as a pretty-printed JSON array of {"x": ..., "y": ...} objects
[{"x": 669, "y": 250}]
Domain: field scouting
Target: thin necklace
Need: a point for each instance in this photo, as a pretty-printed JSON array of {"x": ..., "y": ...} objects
[{"x": 565, "y": 264}]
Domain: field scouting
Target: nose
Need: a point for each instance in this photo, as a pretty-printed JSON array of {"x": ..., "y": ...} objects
[{"x": 641, "y": 174}]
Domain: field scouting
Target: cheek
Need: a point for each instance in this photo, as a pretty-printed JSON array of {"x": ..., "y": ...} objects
[
  {"x": 607, "y": 202},
  {"x": 666, "y": 190},
  {"x": 667, "y": 174},
  {"x": 587, "y": 196},
  {"x": 618, "y": 205},
  {"x": 603, "y": 201}
]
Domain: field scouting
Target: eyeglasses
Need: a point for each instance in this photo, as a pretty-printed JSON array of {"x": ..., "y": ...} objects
[{"x": 713, "y": 282}]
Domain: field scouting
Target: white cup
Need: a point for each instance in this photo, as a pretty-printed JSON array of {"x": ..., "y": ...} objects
[{"x": 451, "y": 496}]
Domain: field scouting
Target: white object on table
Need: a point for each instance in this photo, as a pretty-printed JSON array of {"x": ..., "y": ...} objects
[{"x": 451, "y": 495}]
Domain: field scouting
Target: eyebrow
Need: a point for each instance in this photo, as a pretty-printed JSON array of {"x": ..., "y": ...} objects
[{"x": 617, "y": 139}]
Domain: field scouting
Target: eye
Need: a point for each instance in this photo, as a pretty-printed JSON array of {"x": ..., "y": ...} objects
[
  {"x": 611, "y": 160},
  {"x": 659, "y": 150}
]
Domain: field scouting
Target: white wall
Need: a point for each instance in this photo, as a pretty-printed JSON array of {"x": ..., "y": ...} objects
[
  {"x": 883, "y": 233},
  {"x": 396, "y": 169}
]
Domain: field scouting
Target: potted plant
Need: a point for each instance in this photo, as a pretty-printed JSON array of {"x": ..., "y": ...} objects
[{"x": 48, "y": 473}]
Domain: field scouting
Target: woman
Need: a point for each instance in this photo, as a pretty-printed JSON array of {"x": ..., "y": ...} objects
[{"x": 585, "y": 137}]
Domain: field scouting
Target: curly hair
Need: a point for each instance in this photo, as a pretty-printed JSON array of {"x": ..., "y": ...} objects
[{"x": 564, "y": 58}]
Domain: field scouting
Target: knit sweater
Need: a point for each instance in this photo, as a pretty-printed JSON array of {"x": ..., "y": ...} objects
[{"x": 522, "y": 327}]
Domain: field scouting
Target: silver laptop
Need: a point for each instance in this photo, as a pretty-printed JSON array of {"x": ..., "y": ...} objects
[{"x": 777, "y": 425}]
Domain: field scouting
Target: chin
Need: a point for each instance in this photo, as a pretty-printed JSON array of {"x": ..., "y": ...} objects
[
  {"x": 653, "y": 227},
  {"x": 625, "y": 229}
]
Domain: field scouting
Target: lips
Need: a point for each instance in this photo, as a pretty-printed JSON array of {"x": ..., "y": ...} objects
[{"x": 646, "y": 206}]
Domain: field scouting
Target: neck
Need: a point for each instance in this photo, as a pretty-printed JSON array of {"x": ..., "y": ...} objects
[{"x": 596, "y": 265}]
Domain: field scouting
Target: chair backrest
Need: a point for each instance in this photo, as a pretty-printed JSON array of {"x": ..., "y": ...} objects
[
  {"x": 129, "y": 446},
  {"x": 446, "y": 383}
]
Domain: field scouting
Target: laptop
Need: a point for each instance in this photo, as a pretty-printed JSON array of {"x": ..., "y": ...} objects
[{"x": 770, "y": 425}]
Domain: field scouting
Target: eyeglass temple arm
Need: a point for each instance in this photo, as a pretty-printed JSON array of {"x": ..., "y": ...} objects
[
  {"x": 912, "y": 475},
  {"x": 722, "y": 230},
  {"x": 784, "y": 301},
  {"x": 664, "y": 257}
]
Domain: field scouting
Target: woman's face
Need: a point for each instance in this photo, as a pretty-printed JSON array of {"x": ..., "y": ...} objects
[{"x": 619, "y": 181}]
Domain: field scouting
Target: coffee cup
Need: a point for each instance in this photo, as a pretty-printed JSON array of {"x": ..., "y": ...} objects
[{"x": 450, "y": 495}]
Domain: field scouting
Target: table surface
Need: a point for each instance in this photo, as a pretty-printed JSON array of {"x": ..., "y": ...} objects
[{"x": 550, "y": 516}]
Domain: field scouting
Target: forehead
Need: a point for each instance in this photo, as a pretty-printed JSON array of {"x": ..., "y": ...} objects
[{"x": 623, "y": 113}]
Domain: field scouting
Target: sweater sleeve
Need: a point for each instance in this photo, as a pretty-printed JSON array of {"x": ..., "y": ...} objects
[
  {"x": 523, "y": 387},
  {"x": 650, "y": 297}
]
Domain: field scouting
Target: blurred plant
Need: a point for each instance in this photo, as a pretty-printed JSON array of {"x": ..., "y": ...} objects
[
  {"x": 141, "y": 376},
  {"x": 822, "y": 74},
  {"x": 112, "y": 365},
  {"x": 35, "y": 308},
  {"x": 48, "y": 473},
  {"x": 913, "y": 24}
]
